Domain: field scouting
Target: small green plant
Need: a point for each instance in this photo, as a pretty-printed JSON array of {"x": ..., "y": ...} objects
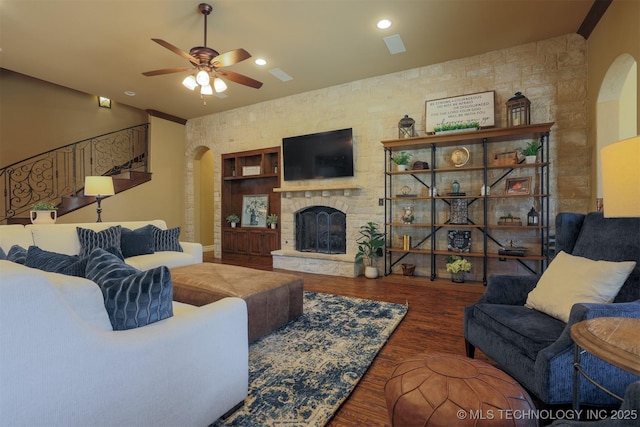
[
  {"x": 446, "y": 127},
  {"x": 43, "y": 205},
  {"x": 531, "y": 149},
  {"x": 272, "y": 219},
  {"x": 402, "y": 158},
  {"x": 456, "y": 264},
  {"x": 233, "y": 219},
  {"x": 370, "y": 243}
]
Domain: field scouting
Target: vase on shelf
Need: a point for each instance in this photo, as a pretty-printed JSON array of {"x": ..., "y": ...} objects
[{"x": 457, "y": 277}]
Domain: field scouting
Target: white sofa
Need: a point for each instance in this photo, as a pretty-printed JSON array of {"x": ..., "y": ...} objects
[
  {"x": 63, "y": 238},
  {"x": 62, "y": 364}
]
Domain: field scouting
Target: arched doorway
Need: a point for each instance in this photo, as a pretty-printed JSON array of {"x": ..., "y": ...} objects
[
  {"x": 616, "y": 108},
  {"x": 203, "y": 203}
]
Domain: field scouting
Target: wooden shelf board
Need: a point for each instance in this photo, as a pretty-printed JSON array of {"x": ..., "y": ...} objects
[{"x": 323, "y": 187}]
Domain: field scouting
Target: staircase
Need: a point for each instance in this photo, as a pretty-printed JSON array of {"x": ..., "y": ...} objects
[{"x": 58, "y": 175}]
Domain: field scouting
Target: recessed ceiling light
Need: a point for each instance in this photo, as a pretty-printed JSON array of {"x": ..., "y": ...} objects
[
  {"x": 129, "y": 93},
  {"x": 261, "y": 61},
  {"x": 383, "y": 24}
]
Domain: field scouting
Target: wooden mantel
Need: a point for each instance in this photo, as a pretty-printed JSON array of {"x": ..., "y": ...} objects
[{"x": 308, "y": 189}]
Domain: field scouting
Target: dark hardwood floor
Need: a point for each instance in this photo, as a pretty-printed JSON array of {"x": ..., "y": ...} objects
[{"x": 433, "y": 324}]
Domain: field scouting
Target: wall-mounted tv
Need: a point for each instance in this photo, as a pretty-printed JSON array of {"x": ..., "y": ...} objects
[{"x": 319, "y": 155}]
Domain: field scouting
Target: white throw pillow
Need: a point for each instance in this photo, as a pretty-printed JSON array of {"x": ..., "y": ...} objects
[{"x": 571, "y": 279}]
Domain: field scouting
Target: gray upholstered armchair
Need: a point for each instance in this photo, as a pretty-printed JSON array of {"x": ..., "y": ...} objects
[{"x": 535, "y": 348}]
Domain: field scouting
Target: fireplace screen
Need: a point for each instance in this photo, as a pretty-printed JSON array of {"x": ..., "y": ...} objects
[{"x": 321, "y": 229}]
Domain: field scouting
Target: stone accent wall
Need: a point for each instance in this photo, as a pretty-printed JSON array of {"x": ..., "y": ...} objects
[{"x": 551, "y": 73}]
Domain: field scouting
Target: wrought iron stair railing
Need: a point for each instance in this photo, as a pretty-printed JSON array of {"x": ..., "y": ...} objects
[{"x": 60, "y": 172}]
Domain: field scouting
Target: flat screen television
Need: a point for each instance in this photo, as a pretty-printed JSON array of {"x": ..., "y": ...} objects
[{"x": 319, "y": 155}]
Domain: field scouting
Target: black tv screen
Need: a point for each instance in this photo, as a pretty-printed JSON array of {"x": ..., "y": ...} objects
[{"x": 319, "y": 155}]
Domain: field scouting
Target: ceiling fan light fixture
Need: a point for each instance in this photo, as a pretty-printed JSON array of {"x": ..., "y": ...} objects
[
  {"x": 219, "y": 85},
  {"x": 190, "y": 82},
  {"x": 202, "y": 78},
  {"x": 206, "y": 90}
]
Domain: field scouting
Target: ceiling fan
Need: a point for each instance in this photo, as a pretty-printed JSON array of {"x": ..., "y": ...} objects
[{"x": 207, "y": 64}]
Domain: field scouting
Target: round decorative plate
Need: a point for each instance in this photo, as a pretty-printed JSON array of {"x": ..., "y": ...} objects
[{"x": 460, "y": 157}]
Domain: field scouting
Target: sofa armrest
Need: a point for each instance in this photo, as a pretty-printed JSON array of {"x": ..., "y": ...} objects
[
  {"x": 508, "y": 289},
  {"x": 193, "y": 249}
]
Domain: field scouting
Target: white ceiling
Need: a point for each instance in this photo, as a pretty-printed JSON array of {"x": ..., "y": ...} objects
[{"x": 101, "y": 47}]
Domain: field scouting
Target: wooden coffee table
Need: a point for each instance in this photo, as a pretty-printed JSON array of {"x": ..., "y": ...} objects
[{"x": 614, "y": 340}]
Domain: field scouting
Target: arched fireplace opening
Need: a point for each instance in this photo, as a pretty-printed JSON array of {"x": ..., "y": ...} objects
[{"x": 321, "y": 229}]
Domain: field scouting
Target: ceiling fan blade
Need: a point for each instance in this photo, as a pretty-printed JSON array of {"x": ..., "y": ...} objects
[
  {"x": 229, "y": 58},
  {"x": 177, "y": 51},
  {"x": 240, "y": 78},
  {"x": 166, "y": 71}
]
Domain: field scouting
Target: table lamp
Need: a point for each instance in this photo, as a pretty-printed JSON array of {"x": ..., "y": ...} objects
[
  {"x": 621, "y": 178},
  {"x": 99, "y": 186}
]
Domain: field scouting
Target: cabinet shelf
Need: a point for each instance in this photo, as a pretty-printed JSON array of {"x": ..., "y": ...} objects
[{"x": 482, "y": 209}]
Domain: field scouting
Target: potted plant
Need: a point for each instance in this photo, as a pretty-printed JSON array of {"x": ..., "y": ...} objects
[
  {"x": 530, "y": 152},
  {"x": 272, "y": 220},
  {"x": 402, "y": 160},
  {"x": 370, "y": 244},
  {"x": 233, "y": 219},
  {"x": 44, "y": 212},
  {"x": 457, "y": 266}
]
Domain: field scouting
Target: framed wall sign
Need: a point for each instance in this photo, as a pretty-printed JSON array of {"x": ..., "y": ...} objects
[
  {"x": 476, "y": 107},
  {"x": 254, "y": 210},
  {"x": 518, "y": 185}
]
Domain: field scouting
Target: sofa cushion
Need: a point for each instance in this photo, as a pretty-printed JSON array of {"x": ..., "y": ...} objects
[
  {"x": 571, "y": 279},
  {"x": 167, "y": 258},
  {"x": 132, "y": 297},
  {"x": 90, "y": 240},
  {"x": 529, "y": 330},
  {"x": 167, "y": 240},
  {"x": 17, "y": 254},
  {"x": 137, "y": 242}
]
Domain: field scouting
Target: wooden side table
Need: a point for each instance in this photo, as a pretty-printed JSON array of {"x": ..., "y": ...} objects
[{"x": 615, "y": 340}]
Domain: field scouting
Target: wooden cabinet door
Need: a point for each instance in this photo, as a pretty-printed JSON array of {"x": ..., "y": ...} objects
[
  {"x": 242, "y": 241},
  {"x": 270, "y": 242},
  {"x": 228, "y": 240}
]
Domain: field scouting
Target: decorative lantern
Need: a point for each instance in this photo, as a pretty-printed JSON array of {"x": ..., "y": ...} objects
[
  {"x": 406, "y": 127},
  {"x": 518, "y": 110},
  {"x": 532, "y": 217}
]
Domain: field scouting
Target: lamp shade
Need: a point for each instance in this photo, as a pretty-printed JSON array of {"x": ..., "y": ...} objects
[
  {"x": 621, "y": 178},
  {"x": 98, "y": 186}
]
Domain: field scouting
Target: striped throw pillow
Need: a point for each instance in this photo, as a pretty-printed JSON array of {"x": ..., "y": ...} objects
[
  {"x": 90, "y": 240},
  {"x": 132, "y": 298},
  {"x": 167, "y": 240}
]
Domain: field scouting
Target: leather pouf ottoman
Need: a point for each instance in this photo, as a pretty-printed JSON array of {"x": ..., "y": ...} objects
[{"x": 453, "y": 390}]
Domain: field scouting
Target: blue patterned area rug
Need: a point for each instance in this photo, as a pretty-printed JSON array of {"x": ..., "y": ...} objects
[{"x": 300, "y": 374}]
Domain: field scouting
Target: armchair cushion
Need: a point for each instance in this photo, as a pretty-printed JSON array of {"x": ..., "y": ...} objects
[
  {"x": 573, "y": 279},
  {"x": 528, "y": 330},
  {"x": 133, "y": 298}
]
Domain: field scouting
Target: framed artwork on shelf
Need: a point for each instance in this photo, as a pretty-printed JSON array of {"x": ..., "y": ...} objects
[
  {"x": 254, "y": 210},
  {"x": 518, "y": 186},
  {"x": 459, "y": 241}
]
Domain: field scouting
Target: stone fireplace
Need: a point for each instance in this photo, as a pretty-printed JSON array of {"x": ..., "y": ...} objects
[{"x": 316, "y": 230}]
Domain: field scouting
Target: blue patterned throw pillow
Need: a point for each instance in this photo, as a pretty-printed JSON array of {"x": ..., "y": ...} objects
[
  {"x": 53, "y": 261},
  {"x": 133, "y": 298},
  {"x": 167, "y": 240},
  {"x": 90, "y": 240},
  {"x": 17, "y": 254},
  {"x": 137, "y": 242},
  {"x": 2, "y": 254}
]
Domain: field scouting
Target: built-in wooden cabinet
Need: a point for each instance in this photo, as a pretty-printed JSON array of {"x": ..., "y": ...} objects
[
  {"x": 246, "y": 173},
  {"x": 483, "y": 215}
]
